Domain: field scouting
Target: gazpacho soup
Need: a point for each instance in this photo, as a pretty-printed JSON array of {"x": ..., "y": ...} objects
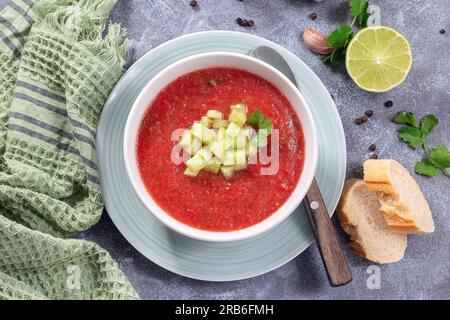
[{"x": 227, "y": 123}]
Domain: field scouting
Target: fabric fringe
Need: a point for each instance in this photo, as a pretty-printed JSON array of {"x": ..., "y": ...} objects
[{"x": 83, "y": 21}]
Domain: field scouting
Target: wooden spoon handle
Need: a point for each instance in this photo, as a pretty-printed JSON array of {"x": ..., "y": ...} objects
[{"x": 335, "y": 264}]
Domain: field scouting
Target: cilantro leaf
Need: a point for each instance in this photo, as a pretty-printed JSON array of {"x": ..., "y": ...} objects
[
  {"x": 404, "y": 117},
  {"x": 359, "y": 9},
  {"x": 338, "y": 39},
  {"x": 335, "y": 57},
  {"x": 340, "y": 36},
  {"x": 264, "y": 124},
  {"x": 411, "y": 135},
  {"x": 426, "y": 168},
  {"x": 439, "y": 157},
  {"x": 258, "y": 119},
  {"x": 364, "y": 16},
  {"x": 427, "y": 124}
]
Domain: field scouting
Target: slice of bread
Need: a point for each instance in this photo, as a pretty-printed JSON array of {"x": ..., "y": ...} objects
[
  {"x": 371, "y": 238},
  {"x": 402, "y": 203}
]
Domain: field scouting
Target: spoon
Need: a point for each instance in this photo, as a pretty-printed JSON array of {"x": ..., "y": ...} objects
[{"x": 327, "y": 241}]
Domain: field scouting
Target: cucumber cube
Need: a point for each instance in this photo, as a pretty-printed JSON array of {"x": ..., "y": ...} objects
[
  {"x": 196, "y": 163},
  {"x": 214, "y": 114},
  {"x": 219, "y": 123},
  {"x": 221, "y": 133},
  {"x": 239, "y": 157},
  {"x": 205, "y": 153},
  {"x": 206, "y": 121},
  {"x": 229, "y": 159},
  {"x": 196, "y": 145},
  {"x": 189, "y": 143},
  {"x": 202, "y": 132},
  {"x": 252, "y": 151},
  {"x": 239, "y": 107},
  {"x": 197, "y": 130},
  {"x": 213, "y": 165},
  {"x": 238, "y": 117},
  {"x": 241, "y": 140},
  {"x": 209, "y": 136},
  {"x": 238, "y": 167},
  {"x": 190, "y": 173},
  {"x": 233, "y": 130},
  {"x": 228, "y": 172},
  {"x": 218, "y": 148},
  {"x": 186, "y": 141}
]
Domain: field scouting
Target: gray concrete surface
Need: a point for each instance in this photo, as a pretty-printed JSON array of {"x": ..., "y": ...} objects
[{"x": 424, "y": 273}]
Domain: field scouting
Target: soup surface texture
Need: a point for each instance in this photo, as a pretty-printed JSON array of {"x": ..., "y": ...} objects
[{"x": 209, "y": 201}]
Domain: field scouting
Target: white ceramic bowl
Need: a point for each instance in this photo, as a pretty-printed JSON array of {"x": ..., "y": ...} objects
[{"x": 237, "y": 61}]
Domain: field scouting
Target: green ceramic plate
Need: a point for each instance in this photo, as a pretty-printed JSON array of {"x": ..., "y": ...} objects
[{"x": 193, "y": 258}]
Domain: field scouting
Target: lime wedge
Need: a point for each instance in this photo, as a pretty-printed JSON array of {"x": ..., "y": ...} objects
[{"x": 378, "y": 59}]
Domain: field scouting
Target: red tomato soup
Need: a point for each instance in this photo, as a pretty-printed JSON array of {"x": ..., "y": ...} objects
[{"x": 209, "y": 201}]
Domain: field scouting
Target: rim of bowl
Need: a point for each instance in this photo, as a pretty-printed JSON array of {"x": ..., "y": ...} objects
[{"x": 272, "y": 220}]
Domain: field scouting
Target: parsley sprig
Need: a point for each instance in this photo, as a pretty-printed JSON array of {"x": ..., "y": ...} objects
[
  {"x": 414, "y": 133},
  {"x": 339, "y": 38}
]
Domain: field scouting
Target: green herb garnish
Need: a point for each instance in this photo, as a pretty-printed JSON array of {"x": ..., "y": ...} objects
[
  {"x": 339, "y": 38},
  {"x": 212, "y": 82},
  {"x": 415, "y": 134},
  {"x": 257, "y": 119}
]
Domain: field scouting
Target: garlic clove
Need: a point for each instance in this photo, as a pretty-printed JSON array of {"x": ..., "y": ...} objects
[{"x": 316, "y": 41}]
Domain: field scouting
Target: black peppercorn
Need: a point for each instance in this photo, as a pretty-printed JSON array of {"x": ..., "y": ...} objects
[
  {"x": 193, "y": 3},
  {"x": 373, "y": 147},
  {"x": 374, "y": 156},
  {"x": 313, "y": 16},
  {"x": 389, "y": 104},
  {"x": 369, "y": 113},
  {"x": 442, "y": 31}
]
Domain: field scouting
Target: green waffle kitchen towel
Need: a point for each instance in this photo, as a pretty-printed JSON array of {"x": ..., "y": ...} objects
[{"x": 56, "y": 71}]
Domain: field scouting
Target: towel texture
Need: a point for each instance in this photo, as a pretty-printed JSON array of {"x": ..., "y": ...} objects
[{"x": 56, "y": 71}]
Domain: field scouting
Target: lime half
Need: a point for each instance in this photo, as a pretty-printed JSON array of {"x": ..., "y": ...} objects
[{"x": 378, "y": 59}]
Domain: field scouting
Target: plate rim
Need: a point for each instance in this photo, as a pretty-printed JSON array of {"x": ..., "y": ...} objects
[{"x": 142, "y": 249}]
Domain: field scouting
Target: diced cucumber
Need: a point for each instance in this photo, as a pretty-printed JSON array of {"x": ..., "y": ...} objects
[
  {"x": 252, "y": 149},
  {"x": 233, "y": 130},
  {"x": 196, "y": 163},
  {"x": 228, "y": 172},
  {"x": 240, "y": 107},
  {"x": 214, "y": 114},
  {"x": 202, "y": 132},
  {"x": 229, "y": 159},
  {"x": 190, "y": 173},
  {"x": 209, "y": 136},
  {"x": 237, "y": 117},
  {"x": 196, "y": 145},
  {"x": 205, "y": 153},
  {"x": 219, "y": 123},
  {"x": 221, "y": 133},
  {"x": 241, "y": 140},
  {"x": 206, "y": 121},
  {"x": 186, "y": 141},
  {"x": 213, "y": 165},
  {"x": 189, "y": 143},
  {"x": 238, "y": 167},
  {"x": 197, "y": 130},
  {"x": 240, "y": 157},
  {"x": 219, "y": 148}
]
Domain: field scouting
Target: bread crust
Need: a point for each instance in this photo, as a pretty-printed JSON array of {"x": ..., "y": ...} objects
[
  {"x": 378, "y": 174},
  {"x": 349, "y": 222}
]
